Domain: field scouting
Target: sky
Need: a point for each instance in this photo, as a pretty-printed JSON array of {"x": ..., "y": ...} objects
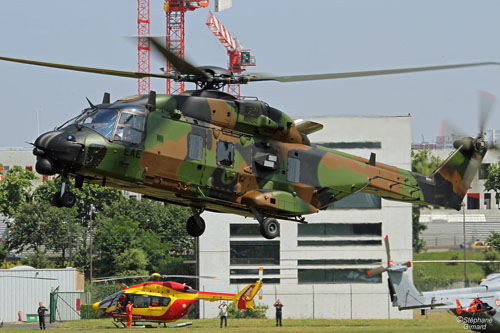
[{"x": 286, "y": 37}]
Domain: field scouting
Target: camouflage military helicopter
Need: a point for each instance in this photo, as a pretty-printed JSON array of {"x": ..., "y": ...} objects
[{"x": 207, "y": 150}]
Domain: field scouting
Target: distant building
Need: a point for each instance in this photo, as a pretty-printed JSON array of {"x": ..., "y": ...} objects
[{"x": 318, "y": 270}]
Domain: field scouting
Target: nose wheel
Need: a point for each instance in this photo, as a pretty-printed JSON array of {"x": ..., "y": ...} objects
[{"x": 64, "y": 198}]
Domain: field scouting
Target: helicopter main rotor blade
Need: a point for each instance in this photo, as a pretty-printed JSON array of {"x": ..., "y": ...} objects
[
  {"x": 134, "y": 75},
  {"x": 345, "y": 75},
  {"x": 117, "y": 278},
  {"x": 181, "y": 65},
  {"x": 26, "y": 277}
]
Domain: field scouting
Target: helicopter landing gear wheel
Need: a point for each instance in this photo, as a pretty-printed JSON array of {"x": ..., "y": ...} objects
[
  {"x": 64, "y": 198},
  {"x": 68, "y": 199},
  {"x": 195, "y": 226},
  {"x": 270, "y": 228}
]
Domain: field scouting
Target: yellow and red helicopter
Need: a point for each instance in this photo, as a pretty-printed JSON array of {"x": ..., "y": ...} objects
[{"x": 163, "y": 301}]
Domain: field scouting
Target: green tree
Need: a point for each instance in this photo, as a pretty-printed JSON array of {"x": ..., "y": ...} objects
[
  {"x": 131, "y": 262},
  {"x": 492, "y": 183},
  {"x": 28, "y": 231},
  {"x": 422, "y": 161},
  {"x": 167, "y": 221},
  {"x": 37, "y": 259},
  {"x": 15, "y": 190}
]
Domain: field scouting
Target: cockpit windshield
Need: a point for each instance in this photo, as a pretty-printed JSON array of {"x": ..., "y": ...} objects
[{"x": 122, "y": 122}]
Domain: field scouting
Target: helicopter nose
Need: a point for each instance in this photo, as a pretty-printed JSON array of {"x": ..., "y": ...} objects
[
  {"x": 59, "y": 151},
  {"x": 95, "y": 306}
]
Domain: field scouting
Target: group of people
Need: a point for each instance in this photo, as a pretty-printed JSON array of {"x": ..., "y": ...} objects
[{"x": 223, "y": 313}]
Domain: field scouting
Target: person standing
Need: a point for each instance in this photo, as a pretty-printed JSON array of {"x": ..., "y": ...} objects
[
  {"x": 223, "y": 314},
  {"x": 128, "y": 310},
  {"x": 41, "y": 315},
  {"x": 278, "y": 305}
]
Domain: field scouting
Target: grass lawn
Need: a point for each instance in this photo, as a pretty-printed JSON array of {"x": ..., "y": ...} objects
[
  {"x": 423, "y": 272},
  {"x": 434, "y": 321}
]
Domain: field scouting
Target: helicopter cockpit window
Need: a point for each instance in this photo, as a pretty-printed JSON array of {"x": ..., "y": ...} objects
[
  {"x": 130, "y": 127},
  {"x": 101, "y": 120},
  {"x": 225, "y": 154},
  {"x": 122, "y": 123},
  {"x": 111, "y": 300}
]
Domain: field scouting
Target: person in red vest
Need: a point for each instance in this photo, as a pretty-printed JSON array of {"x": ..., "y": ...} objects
[{"x": 128, "y": 310}]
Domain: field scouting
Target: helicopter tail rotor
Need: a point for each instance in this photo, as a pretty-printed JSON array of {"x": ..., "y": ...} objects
[{"x": 390, "y": 264}]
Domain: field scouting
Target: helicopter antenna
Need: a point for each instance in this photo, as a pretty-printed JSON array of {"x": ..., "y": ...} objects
[{"x": 90, "y": 103}]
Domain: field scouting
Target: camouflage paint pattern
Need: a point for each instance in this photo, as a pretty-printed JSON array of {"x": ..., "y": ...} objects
[{"x": 241, "y": 156}]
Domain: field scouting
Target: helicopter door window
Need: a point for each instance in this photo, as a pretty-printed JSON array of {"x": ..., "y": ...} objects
[
  {"x": 293, "y": 170},
  {"x": 142, "y": 301},
  {"x": 225, "y": 154}
]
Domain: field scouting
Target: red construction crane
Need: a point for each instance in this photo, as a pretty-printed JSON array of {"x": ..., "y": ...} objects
[
  {"x": 238, "y": 57},
  {"x": 143, "y": 46},
  {"x": 175, "y": 10}
]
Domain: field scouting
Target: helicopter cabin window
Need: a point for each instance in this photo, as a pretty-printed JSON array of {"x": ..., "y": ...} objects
[
  {"x": 225, "y": 154},
  {"x": 145, "y": 301},
  {"x": 195, "y": 147},
  {"x": 293, "y": 170}
]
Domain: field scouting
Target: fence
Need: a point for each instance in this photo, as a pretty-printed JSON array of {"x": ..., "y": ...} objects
[{"x": 69, "y": 306}]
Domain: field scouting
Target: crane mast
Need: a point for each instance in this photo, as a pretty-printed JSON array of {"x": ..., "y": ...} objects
[
  {"x": 143, "y": 46},
  {"x": 175, "y": 10}
]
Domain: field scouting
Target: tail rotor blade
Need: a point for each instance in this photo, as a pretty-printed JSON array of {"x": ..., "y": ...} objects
[
  {"x": 387, "y": 248},
  {"x": 376, "y": 271},
  {"x": 486, "y": 102}
]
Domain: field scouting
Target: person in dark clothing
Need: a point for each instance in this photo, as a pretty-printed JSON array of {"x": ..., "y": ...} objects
[
  {"x": 41, "y": 315},
  {"x": 278, "y": 305}
]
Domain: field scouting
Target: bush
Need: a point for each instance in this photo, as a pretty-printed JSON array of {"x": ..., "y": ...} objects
[
  {"x": 258, "y": 312},
  {"x": 87, "y": 312},
  {"x": 493, "y": 267}
]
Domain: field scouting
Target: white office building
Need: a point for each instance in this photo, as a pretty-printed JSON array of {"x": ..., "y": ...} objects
[{"x": 318, "y": 270}]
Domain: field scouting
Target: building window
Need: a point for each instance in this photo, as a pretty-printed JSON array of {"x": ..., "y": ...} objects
[
  {"x": 255, "y": 252},
  {"x": 353, "y": 242},
  {"x": 225, "y": 154},
  {"x": 358, "y": 201},
  {"x": 293, "y": 174},
  {"x": 352, "y": 145},
  {"x": 357, "y": 275},
  {"x": 250, "y": 281},
  {"x": 195, "y": 147},
  {"x": 252, "y": 271},
  {"x": 340, "y": 229},
  {"x": 483, "y": 171},
  {"x": 472, "y": 200},
  {"x": 487, "y": 200},
  {"x": 245, "y": 230},
  {"x": 317, "y": 262}
]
